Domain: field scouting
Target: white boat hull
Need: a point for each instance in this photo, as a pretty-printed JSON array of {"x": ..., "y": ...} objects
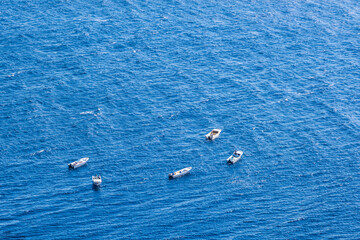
[
  {"x": 180, "y": 173},
  {"x": 79, "y": 163},
  {"x": 96, "y": 180},
  {"x": 97, "y": 183},
  {"x": 214, "y": 134},
  {"x": 233, "y": 159}
]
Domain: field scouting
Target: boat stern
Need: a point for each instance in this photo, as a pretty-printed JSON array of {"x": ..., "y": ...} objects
[{"x": 97, "y": 183}]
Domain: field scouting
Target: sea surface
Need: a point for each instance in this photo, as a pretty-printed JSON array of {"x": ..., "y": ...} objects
[{"x": 135, "y": 85}]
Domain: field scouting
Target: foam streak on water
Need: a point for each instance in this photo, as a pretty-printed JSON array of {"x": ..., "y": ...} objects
[{"x": 135, "y": 86}]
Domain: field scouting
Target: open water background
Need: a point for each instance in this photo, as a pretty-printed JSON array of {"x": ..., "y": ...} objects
[{"x": 135, "y": 85}]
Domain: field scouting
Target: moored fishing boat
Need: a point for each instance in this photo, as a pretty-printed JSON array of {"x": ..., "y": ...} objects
[
  {"x": 180, "y": 173},
  {"x": 215, "y": 133},
  {"x": 79, "y": 163},
  {"x": 235, "y": 157},
  {"x": 96, "y": 180}
]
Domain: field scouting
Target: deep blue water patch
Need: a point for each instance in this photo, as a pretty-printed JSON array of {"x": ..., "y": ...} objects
[{"x": 136, "y": 85}]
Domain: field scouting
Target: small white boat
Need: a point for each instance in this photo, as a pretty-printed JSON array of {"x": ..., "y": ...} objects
[
  {"x": 235, "y": 157},
  {"x": 79, "y": 163},
  {"x": 180, "y": 173},
  {"x": 96, "y": 180},
  {"x": 215, "y": 133}
]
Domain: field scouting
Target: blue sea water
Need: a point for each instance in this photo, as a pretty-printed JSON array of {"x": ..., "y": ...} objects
[{"x": 135, "y": 86}]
